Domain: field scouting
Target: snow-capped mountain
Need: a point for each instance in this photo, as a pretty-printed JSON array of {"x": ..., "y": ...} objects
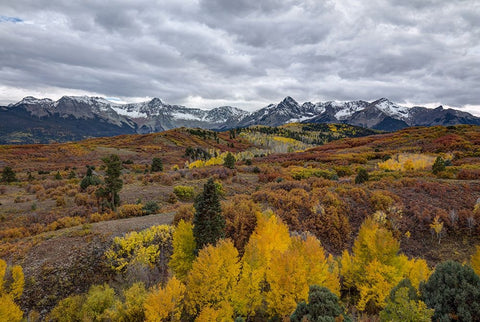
[{"x": 35, "y": 120}]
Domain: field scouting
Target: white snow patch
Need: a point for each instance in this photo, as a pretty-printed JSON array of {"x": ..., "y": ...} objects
[
  {"x": 185, "y": 116},
  {"x": 300, "y": 119},
  {"x": 131, "y": 113},
  {"x": 393, "y": 110}
]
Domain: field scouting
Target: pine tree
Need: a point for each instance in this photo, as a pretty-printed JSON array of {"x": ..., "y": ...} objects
[
  {"x": 438, "y": 166},
  {"x": 322, "y": 306},
  {"x": 209, "y": 224},
  {"x": 90, "y": 179},
  {"x": 157, "y": 165},
  {"x": 229, "y": 161},
  {"x": 58, "y": 176},
  {"x": 8, "y": 175},
  {"x": 362, "y": 176},
  {"x": 113, "y": 183},
  {"x": 453, "y": 290}
]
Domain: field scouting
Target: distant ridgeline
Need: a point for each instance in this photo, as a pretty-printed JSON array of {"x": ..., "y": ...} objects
[{"x": 73, "y": 118}]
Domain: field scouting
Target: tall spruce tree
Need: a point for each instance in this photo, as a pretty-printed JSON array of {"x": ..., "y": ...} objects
[
  {"x": 113, "y": 183},
  {"x": 157, "y": 165},
  {"x": 438, "y": 166},
  {"x": 209, "y": 224},
  {"x": 229, "y": 161}
]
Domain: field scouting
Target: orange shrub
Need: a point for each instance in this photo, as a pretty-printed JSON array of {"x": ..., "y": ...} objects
[
  {"x": 12, "y": 233},
  {"x": 129, "y": 210},
  {"x": 97, "y": 217},
  {"x": 184, "y": 213}
]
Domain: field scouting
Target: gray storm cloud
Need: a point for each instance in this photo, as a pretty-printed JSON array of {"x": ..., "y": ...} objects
[{"x": 245, "y": 53}]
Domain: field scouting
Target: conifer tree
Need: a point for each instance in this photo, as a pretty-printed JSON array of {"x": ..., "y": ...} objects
[
  {"x": 8, "y": 175},
  {"x": 113, "y": 183},
  {"x": 229, "y": 161},
  {"x": 362, "y": 176},
  {"x": 438, "y": 166},
  {"x": 157, "y": 165},
  {"x": 209, "y": 224},
  {"x": 453, "y": 290},
  {"x": 322, "y": 306}
]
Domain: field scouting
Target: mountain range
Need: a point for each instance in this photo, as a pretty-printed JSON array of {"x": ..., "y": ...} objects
[{"x": 71, "y": 118}]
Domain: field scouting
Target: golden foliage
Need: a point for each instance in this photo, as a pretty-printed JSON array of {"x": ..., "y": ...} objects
[
  {"x": 183, "y": 250},
  {"x": 417, "y": 271},
  {"x": 139, "y": 247},
  {"x": 165, "y": 304},
  {"x": 407, "y": 162},
  {"x": 132, "y": 309},
  {"x": 9, "y": 310},
  {"x": 475, "y": 260},
  {"x": 271, "y": 236},
  {"x": 129, "y": 210},
  {"x": 437, "y": 227},
  {"x": 293, "y": 271},
  {"x": 212, "y": 278},
  {"x": 375, "y": 266}
]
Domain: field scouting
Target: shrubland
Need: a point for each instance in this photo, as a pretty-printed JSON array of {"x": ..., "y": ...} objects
[{"x": 269, "y": 223}]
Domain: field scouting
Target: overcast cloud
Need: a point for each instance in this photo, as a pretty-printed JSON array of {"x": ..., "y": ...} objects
[{"x": 245, "y": 53}]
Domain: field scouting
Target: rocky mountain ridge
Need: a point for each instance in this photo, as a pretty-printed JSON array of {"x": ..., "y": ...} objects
[{"x": 33, "y": 120}]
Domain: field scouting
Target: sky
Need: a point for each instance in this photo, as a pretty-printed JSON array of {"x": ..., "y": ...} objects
[{"x": 244, "y": 53}]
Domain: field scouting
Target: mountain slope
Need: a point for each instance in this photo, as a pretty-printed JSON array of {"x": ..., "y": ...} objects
[{"x": 77, "y": 117}]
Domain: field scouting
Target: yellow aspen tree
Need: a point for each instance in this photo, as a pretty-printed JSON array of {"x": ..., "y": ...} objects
[
  {"x": 9, "y": 310},
  {"x": 165, "y": 304},
  {"x": 288, "y": 281},
  {"x": 375, "y": 266},
  {"x": 293, "y": 271},
  {"x": 183, "y": 250},
  {"x": 132, "y": 309},
  {"x": 208, "y": 314},
  {"x": 379, "y": 279},
  {"x": 475, "y": 261},
  {"x": 212, "y": 278},
  {"x": 417, "y": 271},
  {"x": 16, "y": 287},
  {"x": 223, "y": 314},
  {"x": 269, "y": 237},
  {"x": 437, "y": 227},
  {"x": 248, "y": 295},
  {"x": 321, "y": 270}
]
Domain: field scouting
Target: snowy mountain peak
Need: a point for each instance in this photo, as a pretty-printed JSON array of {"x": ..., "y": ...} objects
[
  {"x": 391, "y": 109},
  {"x": 289, "y": 100},
  {"x": 30, "y": 100},
  {"x": 156, "y": 102},
  {"x": 104, "y": 117}
]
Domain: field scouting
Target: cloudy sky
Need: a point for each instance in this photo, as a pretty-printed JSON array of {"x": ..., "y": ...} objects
[{"x": 245, "y": 53}]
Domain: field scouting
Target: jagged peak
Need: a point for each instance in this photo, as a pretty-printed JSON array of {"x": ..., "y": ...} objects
[
  {"x": 156, "y": 101},
  {"x": 289, "y": 100},
  {"x": 382, "y": 100}
]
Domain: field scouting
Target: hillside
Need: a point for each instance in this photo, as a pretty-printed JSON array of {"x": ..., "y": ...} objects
[{"x": 304, "y": 173}]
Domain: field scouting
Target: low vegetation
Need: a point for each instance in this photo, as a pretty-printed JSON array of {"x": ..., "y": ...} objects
[{"x": 316, "y": 222}]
